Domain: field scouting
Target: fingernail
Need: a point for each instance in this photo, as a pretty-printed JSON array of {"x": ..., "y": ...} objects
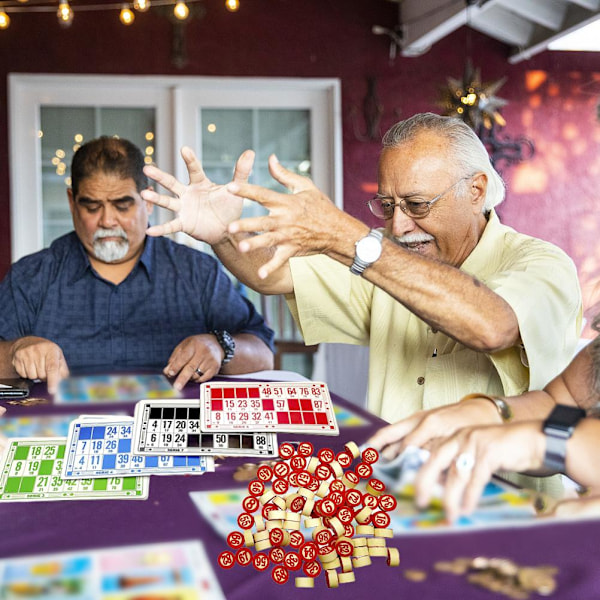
[{"x": 275, "y": 158}]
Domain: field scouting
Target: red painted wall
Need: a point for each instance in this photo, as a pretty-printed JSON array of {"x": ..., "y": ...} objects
[{"x": 552, "y": 98}]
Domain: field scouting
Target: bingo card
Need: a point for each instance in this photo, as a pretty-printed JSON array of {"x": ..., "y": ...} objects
[
  {"x": 32, "y": 471},
  {"x": 173, "y": 426},
  {"x": 279, "y": 406},
  {"x": 102, "y": 447}
]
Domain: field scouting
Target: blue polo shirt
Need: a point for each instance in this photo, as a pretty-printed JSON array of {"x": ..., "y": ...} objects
[{"x": 172, "y": 293}]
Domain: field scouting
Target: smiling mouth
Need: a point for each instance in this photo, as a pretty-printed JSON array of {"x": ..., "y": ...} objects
[{"x": 414, "y": 246}]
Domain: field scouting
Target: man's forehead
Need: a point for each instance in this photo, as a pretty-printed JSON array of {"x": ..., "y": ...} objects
[{"x": 106, "y": 186}]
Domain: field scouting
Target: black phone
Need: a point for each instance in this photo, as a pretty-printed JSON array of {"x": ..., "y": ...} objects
[{"x": 15, "y": 388}]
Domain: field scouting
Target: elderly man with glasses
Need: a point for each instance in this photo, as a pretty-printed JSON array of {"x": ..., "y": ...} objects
[{"x": 449, "y": 300}]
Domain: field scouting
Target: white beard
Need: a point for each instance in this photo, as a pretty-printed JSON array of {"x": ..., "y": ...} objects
[{"x": 110, "y": 251}]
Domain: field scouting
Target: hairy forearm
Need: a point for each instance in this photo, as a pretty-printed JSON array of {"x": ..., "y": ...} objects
[
  {"x": 251, "y": 354},
  {"x": 6, "y": 366}
]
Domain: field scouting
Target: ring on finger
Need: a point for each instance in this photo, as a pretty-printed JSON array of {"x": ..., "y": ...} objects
[
  {"x": 199, "y": 372},
  {"x": 464, "y": 463}
]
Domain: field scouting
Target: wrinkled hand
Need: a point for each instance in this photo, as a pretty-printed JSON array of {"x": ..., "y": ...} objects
[
  {"x": 38, "y": 358},
  {"x": 202, "y": 352},
  {"x": 425, "y": 426},
  {"x": 302, "y": 223},
  {"x": 513, "y": 447},
  {"x": 204, "y": 209}
]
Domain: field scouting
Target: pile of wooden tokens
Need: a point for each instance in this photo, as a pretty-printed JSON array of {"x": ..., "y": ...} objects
[{"x": 348, "y": 527}]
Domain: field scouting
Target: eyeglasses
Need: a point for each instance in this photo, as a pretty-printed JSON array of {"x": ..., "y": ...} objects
[{"x": 383, "y": 208}]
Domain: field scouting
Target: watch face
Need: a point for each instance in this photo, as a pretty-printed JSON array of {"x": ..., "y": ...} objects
[
  {"x": 564, "y": 417},
  {"x": 368, "y": 249}
]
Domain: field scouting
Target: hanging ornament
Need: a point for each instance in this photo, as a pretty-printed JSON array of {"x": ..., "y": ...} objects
[{"x": 472, "y": 101}]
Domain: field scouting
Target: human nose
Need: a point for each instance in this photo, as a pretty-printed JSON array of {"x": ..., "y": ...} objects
[
  {"x": 401, "y": 224},
  {"x": 108, "y": 217}
]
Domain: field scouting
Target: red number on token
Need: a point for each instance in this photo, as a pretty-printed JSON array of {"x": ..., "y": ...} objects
[
  {"x": 352, "y": 477},
  {"x": 267, "y": 508},
  {"x": 292, "y": 561},
  {"x": 276, "y": 536},
  {"x": 250, "y": 504},
  {"x": 381, "y": 519},
  {"x": 245, "y": 521},
  {"x": 353, "y": 497},
  {"x": 286, "y": 451},
  {"x": 277, "y": 554},
  {"x": 348, "y": 530},
  {"x": 243, "y": 557},
  {"x": 323, "y": 471},
  {"x": 308, "y": 551},
  {"x": 260, "y": 561},
  {"x": 235, "y": 539},
  {"x": 323, "y": 537},
  {"x": 337, "y": 486},
  {"x": 280, "y": 575},
  {"x": 313, "y": 484},
  {"x": 336, "y": 497},
  {"x": 293, "y": 478},
  {"x": 298, "y": 463},
  {"x": 303, "y": 478},
  {"x": 345, "y": 514},
  {"x": 377, "y": 485},
  {"x": 264, "y": 473},
  {"x": 326, "y": 455},
  {"x": 281, "y": 469},
  {"x": 305, "y": 449},
  {"x": 387, "y": 502},
  {"x": 296, "y": 539},
  {"x": 370, "y": 501},
  {"x": 298, "y": 504},
  {"x": 312, "y": 568},
  {"x": 344, "y": 548},
  {"x": 256, "y": 487},
  {"x": 328, "y": 507},
  {"x": 226, "y": 559},
  {"x": 326, "y": 549},
  {"x": 364, "y": 470},
  {"x": 280, "y": 486},
  {"x": 344, "y": 459},
  {"x": 370, "y": 455}
]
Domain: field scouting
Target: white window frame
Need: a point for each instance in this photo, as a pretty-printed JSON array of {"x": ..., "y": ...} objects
[{"x": 176, "y": 101}]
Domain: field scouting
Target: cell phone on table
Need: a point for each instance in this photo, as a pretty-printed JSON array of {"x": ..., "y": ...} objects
[{"x": 15, "y": 388}]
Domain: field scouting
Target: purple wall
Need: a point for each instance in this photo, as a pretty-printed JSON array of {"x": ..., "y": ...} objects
[{"x": 552, "y": 98}]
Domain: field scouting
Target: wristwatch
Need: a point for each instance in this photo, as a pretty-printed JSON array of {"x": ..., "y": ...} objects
[
  {"x": 504, "y": 409},
  {"x": 558, "y": 428},
  {"x": 368, "y": 250},
  {"x": 225, "y": 339}
]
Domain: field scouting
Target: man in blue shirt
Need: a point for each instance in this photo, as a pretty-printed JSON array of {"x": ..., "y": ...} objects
[{"x": 106, "y": 297}]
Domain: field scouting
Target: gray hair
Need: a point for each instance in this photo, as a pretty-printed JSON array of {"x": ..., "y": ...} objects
[{"x": 467, "y": 149}]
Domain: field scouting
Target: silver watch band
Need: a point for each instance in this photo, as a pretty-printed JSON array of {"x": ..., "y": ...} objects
[{"x": 359, "y": 265}]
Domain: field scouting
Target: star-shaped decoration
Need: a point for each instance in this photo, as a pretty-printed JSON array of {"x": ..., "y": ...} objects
[{"x": 472, "y": 101}]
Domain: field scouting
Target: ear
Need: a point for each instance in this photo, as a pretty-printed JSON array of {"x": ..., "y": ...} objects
[{"x": 478, "y": 191}]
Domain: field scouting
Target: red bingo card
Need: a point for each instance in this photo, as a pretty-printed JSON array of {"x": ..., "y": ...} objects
[{"x": 303, "y": 407}]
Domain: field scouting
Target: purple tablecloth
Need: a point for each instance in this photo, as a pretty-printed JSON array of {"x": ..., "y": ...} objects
[{"x": 170, "y": 515}]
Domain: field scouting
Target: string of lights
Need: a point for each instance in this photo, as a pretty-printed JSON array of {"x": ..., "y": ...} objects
[{"x": 65, "y": 10}]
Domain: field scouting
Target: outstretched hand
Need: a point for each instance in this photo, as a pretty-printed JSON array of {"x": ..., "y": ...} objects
[
  {"x": 303, "y": 222},
  {"x": 203, "y": 208}
]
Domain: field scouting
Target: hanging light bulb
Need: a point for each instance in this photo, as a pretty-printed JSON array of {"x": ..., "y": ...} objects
[
  {"x": 141, "y": 5},
  {"x": 64, "y": 14},
  {"x": 126, "y": 16},
  {"x": 232, "y": 5},
  {"x": 4, "y": 20},
  {"x": 181, "y": 11}
]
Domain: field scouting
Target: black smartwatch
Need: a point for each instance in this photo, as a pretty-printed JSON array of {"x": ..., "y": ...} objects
[
  {"x": 225, "y": 339},
  {"x": 558, "y": 428}
]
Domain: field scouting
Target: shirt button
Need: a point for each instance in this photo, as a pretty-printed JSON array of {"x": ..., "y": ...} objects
[{"x": 420, "y": 380}]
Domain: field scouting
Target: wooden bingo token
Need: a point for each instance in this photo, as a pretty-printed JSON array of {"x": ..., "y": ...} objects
[
  {"x": 337, "y": 486},
  {"x": 259, "y": 522},
  {"x": 304, "y": 582},
  {"x": 345, "y": 514},
  {"x": 267, "y": 497},
  {"x": 359, "y": 541},
  {"x": 245, "y": 520},
  {"x": 387, "y": 502},
  {"x": 322, "y": 535},
  {"x": 312, "y": 522},
  {"x": 313, "y": 485},
  {"x": 276, "y": 554},
  {"x": 323, "y": 489},
  {"x": 305, "y": 449},
  {"x": 298, "y": 462},
  {"x": 383, "y": 532},
  {"x": 337, "y": 498},
  {"x": 363, "y": 516},
  {"x": 381, "y": 520},
  {"x": 286, "y": 451},
  {"x": 296, "y": 539},
  {"x": 345, "y": 459},
  {"x": 352, "y": 449},
  {"x": 297, "y": 503},
  {"x": 308, "y": 507},
  {"x": 261, "y": 536},
  {"x": 353, "y": 498},
  {"x": 303, "y": 478},
  {"x": 260, "y": 561},
  {"x": 349, "y": 530},
  {"x": 360, "y": 551},
  {"x": 226, "y": 559},
  {"x": 268, "y": 509},
  {"x": 280, "y": 486},
  {"x": 337, "y": 469},
  {"x": 308, "y": 551},
  {"x": 348, "y": 577},
  {"x": 292, "y": 561},
  {"x": 264, "y": 473},
  {"x": 323, "y": 471},
  {"x": 350, "y": 479},
  {"x": 235, "y": 539},
  {"x": 313, "y": 463},
  {"x": 312, "y": 568},
  {"x": 346, "y": 564},
  {"x": 248, "y": 538},
  {"x": 370, "y": 501},
  {"x": 293, "y": 478},
  {"x": 337, "y": 526},
  {"x": 279, "y": 502},
  {"x": 365, "y": 529},
  {"x": 264, "y": 545},
  {"x": 326, "y": 455},
  {"x": 370, "y": 455},
  {"x": 280, "y": 575},
  {"x": 327, "y": 507},
  {"x": 377, "y": 551},
  {"x": 375, "y": 487},
  {"x": 344, "y": 547},
  {"x": 243, "y": 557},
  {"x": 331, "y": 577},
  {"x": 376, "y": 543},
  {"x": 281, "y": 469},
  {"x": 293, "y": 516},
  {"x": 250, "y": 504},
  {"x": 291, "y": 525},
  {"x": 361, "y": 561},
  {"x": 276, "y": 536},
  {"x": 256, "y": 488},
  {"x": 275, "y": 513},
  {"x": 364, "y": 470},
  {"x": 393, "y": 559}
]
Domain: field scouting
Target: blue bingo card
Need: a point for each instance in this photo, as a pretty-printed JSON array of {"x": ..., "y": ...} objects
[{"x": 102, "y": 446}]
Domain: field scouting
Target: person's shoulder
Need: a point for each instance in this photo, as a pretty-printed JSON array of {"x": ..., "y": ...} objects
[
  {"x": 55, "y": 253},
  {"x": 181, "y": 254}
]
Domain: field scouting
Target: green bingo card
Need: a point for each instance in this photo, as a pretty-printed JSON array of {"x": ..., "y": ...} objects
[{"x": 32, "y": 471}]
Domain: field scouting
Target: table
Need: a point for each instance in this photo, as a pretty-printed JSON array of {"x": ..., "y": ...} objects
[{"x": 50, "y": 527}]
